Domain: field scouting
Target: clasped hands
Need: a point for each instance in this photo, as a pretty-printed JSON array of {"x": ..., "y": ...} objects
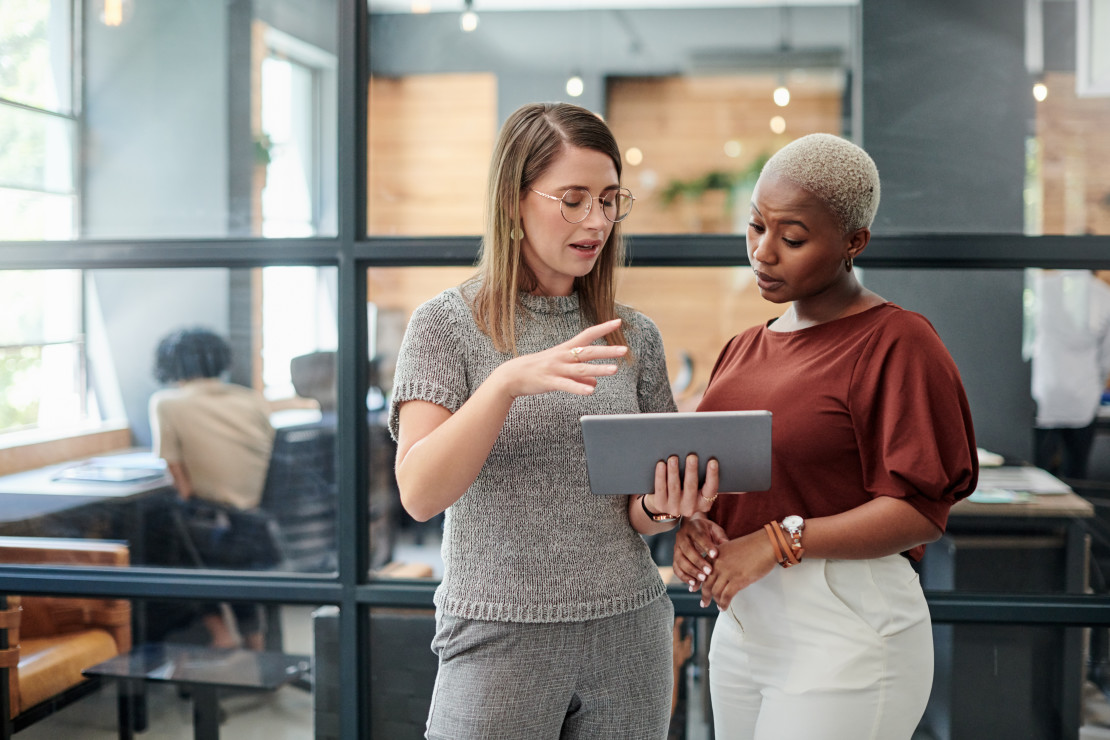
[{"x": 706, "y": 559}]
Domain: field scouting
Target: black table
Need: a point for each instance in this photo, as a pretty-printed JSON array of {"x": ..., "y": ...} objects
[{"x": 204, "y": 671}]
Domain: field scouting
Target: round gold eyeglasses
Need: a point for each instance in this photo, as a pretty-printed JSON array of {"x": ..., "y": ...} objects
[{"x": 575, "y": 204}]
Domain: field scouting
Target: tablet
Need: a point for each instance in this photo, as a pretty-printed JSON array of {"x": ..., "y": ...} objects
[{"x": 622, "y": 449}]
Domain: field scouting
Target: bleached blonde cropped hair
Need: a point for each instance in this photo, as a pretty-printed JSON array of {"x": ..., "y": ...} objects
[{"x": 838, "y": 172}]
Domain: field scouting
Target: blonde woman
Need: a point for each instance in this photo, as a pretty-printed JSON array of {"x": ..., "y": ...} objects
[
  {"x": 824, "y": 631},
  {"x": 552, "y": 620}
]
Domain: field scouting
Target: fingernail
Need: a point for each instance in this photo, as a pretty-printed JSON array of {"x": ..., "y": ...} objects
[
  {"x": 712, "y": 553},
  {"x": 704, "y": 604},
  {"x": 692, "y": 587},
  {"x": 707, "y": 570},
  {"x": 701, "y": 577}
]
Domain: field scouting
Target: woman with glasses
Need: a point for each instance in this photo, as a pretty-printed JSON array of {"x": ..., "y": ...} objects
[
  {"x": 824, "y": 631},
  {"x": 552, "y": 619}
]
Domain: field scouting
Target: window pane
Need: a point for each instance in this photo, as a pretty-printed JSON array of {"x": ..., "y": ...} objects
[
  {"x": 36, "y": 150},
  {"x": 183, "y": 124},
  {"x": 278, "y": 694},
  {"x": 255, "y": 442},
  {"x": 29, "y": 216},
  {"x": 42, "y": 350},
  {"x": 399, "y": 545},
  {"x": 35, "y": 61},
  {"x": 690, "y": 101},
  {"x": 39, "y": 306}
]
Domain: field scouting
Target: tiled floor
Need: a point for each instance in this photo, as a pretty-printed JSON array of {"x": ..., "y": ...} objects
[{"x": 282, "y": 715}]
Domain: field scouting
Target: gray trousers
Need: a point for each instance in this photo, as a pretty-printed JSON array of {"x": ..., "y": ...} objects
[{"x": 599, "y": 679}]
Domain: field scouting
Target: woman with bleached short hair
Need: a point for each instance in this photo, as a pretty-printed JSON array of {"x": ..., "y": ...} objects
[{"x": 824, "y": 632}]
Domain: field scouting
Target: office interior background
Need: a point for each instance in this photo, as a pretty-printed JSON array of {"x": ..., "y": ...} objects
[{"x": 299, "y": 175}]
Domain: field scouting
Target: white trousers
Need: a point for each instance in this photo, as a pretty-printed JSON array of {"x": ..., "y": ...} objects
[{"x": 826, "y": 650}]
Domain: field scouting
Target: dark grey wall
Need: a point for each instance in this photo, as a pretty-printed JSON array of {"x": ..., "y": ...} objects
[{"x": 950, "y": 147}]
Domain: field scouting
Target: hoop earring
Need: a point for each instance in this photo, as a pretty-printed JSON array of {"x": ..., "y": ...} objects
[{"x": 848, "y": 264}]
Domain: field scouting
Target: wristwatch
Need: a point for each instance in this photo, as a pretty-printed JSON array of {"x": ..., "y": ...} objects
[
  {"x": 661, "y": 518},
  {"x": 793, "y": 526}
]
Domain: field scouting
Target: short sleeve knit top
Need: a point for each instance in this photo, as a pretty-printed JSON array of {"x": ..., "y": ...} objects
[{"x": 529, "y": 542}]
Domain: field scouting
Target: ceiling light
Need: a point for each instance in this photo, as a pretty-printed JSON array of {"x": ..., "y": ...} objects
[
  {"x": 1040, "y": 91},
  {"x": 781, "y": 96},
  {"x": 575, "y": 86},
  {"x": 468, "y": 21},
  {"x": 778, "y": 124}
]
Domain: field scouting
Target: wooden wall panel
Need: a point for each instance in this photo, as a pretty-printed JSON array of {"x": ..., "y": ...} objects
[
  {"x": 1075, "y": 159},
  {"x": 429, "y": 145},
  {"x": 681, "y": 125}
]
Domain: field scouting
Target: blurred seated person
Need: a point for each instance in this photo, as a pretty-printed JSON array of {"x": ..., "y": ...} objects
[{"x": 216, "y": 440}]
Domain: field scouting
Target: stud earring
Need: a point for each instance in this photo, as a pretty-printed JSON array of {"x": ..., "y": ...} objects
[{"x": 516, "y": 234}]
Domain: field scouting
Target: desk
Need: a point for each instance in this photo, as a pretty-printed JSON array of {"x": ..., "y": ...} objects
[
  {"x": 205, "y": 671},
  {"x": 1012, "y": 681},
  {"x": 30, "y": 498}
]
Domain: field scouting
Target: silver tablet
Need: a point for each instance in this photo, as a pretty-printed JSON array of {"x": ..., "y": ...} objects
[{"x": 622, "y": 449}]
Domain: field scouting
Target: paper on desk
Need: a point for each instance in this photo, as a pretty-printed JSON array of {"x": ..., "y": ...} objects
[
  {"x": 1021, "y": 478},
  {"x": 999, "y": 496}
]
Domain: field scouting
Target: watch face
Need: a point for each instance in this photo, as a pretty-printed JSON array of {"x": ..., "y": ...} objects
[{"x": 793, "y": 522}]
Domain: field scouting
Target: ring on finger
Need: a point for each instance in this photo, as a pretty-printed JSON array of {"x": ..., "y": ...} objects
[
  {"x": 704, "y": 555},
  {"x": 575, "y": 352},
  {"x": 710, "y": 499}
]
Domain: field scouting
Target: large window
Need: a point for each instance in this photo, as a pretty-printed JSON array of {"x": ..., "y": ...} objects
[
  {"x": 43, "y": 385},
  {"x": 38, "y": 124}
]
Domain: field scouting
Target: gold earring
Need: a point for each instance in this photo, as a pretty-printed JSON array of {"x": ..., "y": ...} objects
[{"x": 516, "y": 234}]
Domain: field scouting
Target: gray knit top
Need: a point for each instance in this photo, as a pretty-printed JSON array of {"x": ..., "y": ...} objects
[{"x": 528, "y": 541}]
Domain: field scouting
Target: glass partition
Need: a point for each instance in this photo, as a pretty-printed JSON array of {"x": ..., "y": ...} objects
[
  {"x": 189, "y": 121},
  {"x": 171, "y": 679},
  {"x": 697, "y": 98},
  {"x": 187, "y": 412}
]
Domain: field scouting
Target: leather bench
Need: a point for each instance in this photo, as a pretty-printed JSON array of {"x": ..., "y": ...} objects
[{"x": 52, "y": 639}]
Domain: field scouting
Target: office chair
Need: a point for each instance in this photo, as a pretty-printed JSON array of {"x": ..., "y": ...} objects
[{"x": 300, "y": 494}]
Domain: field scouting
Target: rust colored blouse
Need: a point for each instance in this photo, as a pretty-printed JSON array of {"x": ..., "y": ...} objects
[{"x": 864, "y": 406}]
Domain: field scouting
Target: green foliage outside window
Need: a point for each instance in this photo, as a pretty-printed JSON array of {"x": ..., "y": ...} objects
[{"x": 18, "y": 370}]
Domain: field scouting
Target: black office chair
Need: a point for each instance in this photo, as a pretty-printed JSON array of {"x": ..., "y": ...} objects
[{"x": 300, "y": 494}]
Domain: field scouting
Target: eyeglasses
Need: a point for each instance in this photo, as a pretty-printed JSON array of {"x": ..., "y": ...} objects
[{"x": 616, "y": 203}]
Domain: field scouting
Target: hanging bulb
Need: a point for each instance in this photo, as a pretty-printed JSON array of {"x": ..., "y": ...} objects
[
  {"x": 781, "y": 96},
  {"x": 1040, "y": 91},
  {"x": 575, "y": 86},
  {"x": 468, "y": 21}
]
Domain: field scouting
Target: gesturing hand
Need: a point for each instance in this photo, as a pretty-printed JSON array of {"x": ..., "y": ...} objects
[{"x": 564, "y": 367}]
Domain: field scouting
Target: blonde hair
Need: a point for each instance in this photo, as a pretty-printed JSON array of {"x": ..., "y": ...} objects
[
  {"x": 529, "y": 142},
  {"x": 837, "y": 172}
]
